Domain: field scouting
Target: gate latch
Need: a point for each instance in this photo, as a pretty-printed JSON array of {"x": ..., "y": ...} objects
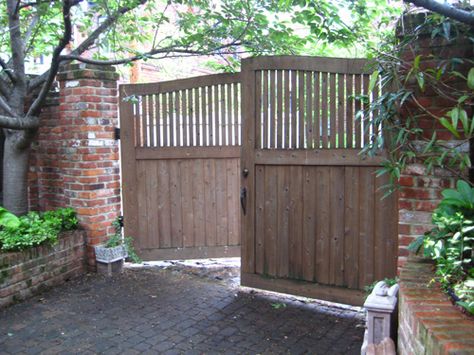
[{"x": 243, "y": 199}]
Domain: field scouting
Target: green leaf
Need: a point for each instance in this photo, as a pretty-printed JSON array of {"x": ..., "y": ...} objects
[
  {"x": 449, "y": 127},
  {"x": 8, "y": 219},
  {"x": 470, "y": 79},
  {"x": 420, "y": 78},
  {"x": 373, "y": 80}
]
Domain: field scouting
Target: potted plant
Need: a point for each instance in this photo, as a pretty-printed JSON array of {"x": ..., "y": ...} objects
[{"x": 111, "y": 255}]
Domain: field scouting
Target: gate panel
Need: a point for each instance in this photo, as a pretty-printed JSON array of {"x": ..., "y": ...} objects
[
  {"x": 180, "y": 167},
  {"x": 315, "y": 223}
]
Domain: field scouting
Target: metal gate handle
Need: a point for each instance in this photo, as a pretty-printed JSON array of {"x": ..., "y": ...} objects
[{"x": 243, "y": 199}]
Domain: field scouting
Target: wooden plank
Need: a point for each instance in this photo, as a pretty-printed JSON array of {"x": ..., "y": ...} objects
[
  {"x": 351, "y": 229},
  {"x": 151, "y": 121},
  {"x": 187, "y": 202},
  {"x": 357, "y": 107},
  {"x": 177, "y": 117},
  {"x": 260, "y": 110},
  {"x": 305, "y": 289},
  {"x": 350, "y": 115},
  {"x": 151, "y": 199},
  {"x": 279, "y": 103},
  {"x": 184, "y": 117},
  {"x": 137, "y": 123},
  {"x": 233, "y": 204},
  {"x": 260, "y": 226},
  {"x": 210, "y": 116},
  {"x": 142, "y": 234},
  {"x": 322, "y": 64},
  {"x": 236, "y": 114},
  {"x": 265, "y": 119},
  {"x": 175, "y": 204},
  {"x": 272, "y": 92},
  {"x": 366, "y": 122},
  {"x": 225, "y": 138},
  {"x": 296, "y": 222},
  {"x": 270, "y": 220},
  {"x": 221, "y": 203},
  {"x": 192, "y": 128},
  {"x": 309, "y": 222},
  {"x": 229, "y": 114},
  {"x": 366, "y": 227},
  {"x": 165, "y": 111},
  {"x": 324, "y": 110},
  {"x": 128, "y": 165},
  {"x": 202, "y": 252},
  {"x": 293, "y": 105},
  {"x": 283, "y": 226},
  {"x": 198, "y": 203},
  {"x": 317, "y": 111},
  {"x": 309, "y": 111},
  {"x": 332, "y": 110},
  {"x": 322, "y": 225},
  {"x": 180, "y": 84},
  {"x": 144, "y": 122},
  {"x": 171, "y": 119},
  {"x": 204, "y": 118},
  {"x": 287, "y": 109},
  {"x": 210, "y": 201},
  {"x": 217, "y": 124},
  {"x": 341, "y": 112},
  {"x": 336, "y": 265},
  {"x": 316, "y": 157},
  {"x": 301, "y": 106},
  {"x": 158, "y": 121},
  {"x": 164, "y": 210},
  {"x": 187, "y": 153},
  {"x": 197, "y": 118}
]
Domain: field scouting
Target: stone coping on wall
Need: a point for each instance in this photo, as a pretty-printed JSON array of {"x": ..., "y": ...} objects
[
  {"x": 28, "y": 272},
  {"x": 428, "y": 321}
]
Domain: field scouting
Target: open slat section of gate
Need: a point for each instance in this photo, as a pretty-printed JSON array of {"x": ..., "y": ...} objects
[
  {"x": 318, "y": 217},
  {"x": 186, "y": 149}
]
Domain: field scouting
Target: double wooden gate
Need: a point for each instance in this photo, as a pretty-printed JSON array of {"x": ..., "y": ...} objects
[{"x": 311, "y": 215}]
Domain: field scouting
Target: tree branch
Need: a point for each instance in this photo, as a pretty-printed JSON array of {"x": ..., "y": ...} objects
[
  {"x": 19, "y": 123},
  {"x": 445, "y": 9},
  {"x": 35, "y": 107},
  {"x": 7, "y": 70},
  {"x": 16, "y": 42}
]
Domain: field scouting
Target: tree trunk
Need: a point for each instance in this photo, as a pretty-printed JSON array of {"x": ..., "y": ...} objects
[{"x": 15, "y": 175}]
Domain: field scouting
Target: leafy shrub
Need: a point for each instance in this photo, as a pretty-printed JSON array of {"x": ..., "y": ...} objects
[
  {"x": 117, "y": 240},
  {"x": 450, "y": 243},
  {"x": 35, "y": 228}
]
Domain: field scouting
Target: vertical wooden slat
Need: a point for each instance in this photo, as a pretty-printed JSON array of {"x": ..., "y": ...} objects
[
  {"x": 204, "y": 118},
  {"x": 233, "y": 204},
  {"x": 341, "y": 111},
  {"x": 191, "y": 125},
  {"x": 351, "y": 230},
  {"x": 287, "y": 109},
  {"x": 197, "y": 118},
  {"x": 210, "y": 201},
  {"x": 293, "y": 103},
  {"x": 217, "y": 123},
  {"x": 265, "y": 118},
  {"x": 357, "y": 122},
  {"x": 270, "y": 184},
  {"x": 157, "y": 121},
  {"x": 198, "y": 202},
  {"x": 296, "y": 222},
  {"x": 221, "y": 203},
  {"x": 259, "y": 119},
  {"x": 151, "y": 199},
  {"x": 279, "y": 116},
  {"x": 144, "y": 122},
  {"x": 236, "y": 114},
  {"x": 164, "y": 104},
  {"x": 366, "y": 227},
  {"x": 332, "y": 109},
  {"x": 301, "y": 107},
  {"x": 324, "y": 110},
  {"x": 322, "y": 225},
  {"x": 164, "y": 215},
  {"x": 187, "y": 202},
  {"x": 366, "y": 121},
  {"x": 184, "y": 117},
  {"x": 309, "y": 223},
  {"x": 177, "y": 117},
  {"x": 317, "y": 112},
  {"x": 175, "y": 205},
  {"x": 260, "y": 226},
  {"x": 283, "y": 226},
  {"x": 142, "y": 222},
  {"x": 151, "y": 122},
  {"x": 349, "y": 110},
  {"x": 225, "y": 138},
  {"x": 336, "y": 272},
  {"x": 137, "y": 122},
  {"x": 210, "y": 116},
  {"x": 229, "y": 113},
  {"x": 171, "y": 120},
  {"x": 309, "y": 111},
  {"x": 272, "y": 137}
]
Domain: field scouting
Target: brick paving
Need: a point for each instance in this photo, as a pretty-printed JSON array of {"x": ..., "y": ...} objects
[{"x": 172, "y": 311}]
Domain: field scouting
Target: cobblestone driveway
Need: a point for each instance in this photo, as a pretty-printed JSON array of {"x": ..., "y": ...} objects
[{"x": 172, "y": 311}]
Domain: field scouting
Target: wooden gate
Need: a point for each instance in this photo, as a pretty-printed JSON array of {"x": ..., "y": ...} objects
[
  {"x": 314, "y": 222},
  {"x": 180, "y": 166}
]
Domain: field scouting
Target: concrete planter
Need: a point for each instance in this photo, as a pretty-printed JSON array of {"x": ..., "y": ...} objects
[{"x": 110, "y": 260}]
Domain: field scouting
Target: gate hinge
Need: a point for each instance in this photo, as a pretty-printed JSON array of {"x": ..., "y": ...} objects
[
  {"x": 116, "y": 133},
  {"x": 120, "y": 221}
]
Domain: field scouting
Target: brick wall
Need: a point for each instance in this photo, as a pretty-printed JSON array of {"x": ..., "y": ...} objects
[
  {"x": 75, "y": 161},
  {"x": 429, "y": 323},
  {"x": 26, "y": 273}
]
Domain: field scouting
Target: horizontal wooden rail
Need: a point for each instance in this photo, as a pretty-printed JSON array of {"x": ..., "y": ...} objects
[
  {"x": 187, "y": 153},
  {"x": 320, "y": 64},
  {"x": 181, "y": 84}
]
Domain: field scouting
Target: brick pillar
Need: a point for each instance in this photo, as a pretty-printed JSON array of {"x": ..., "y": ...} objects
[
  {"x": 90, "y": 158},
  {"x": 420, "y": 192}
]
